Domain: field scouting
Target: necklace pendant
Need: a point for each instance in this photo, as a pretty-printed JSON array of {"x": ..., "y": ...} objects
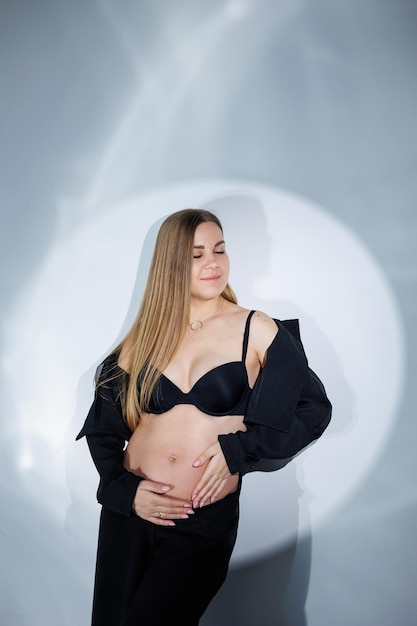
[{"x": 196, "y": 325}]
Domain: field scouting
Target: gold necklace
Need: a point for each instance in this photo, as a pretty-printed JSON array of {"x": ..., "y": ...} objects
[{"x": 198, "y": 324}]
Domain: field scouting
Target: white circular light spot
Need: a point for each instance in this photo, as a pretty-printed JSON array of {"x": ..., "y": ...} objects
[{"x": 289, "y": 258}]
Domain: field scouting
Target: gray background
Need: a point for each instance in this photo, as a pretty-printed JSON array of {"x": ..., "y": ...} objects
[{"x": 316, "y": 97}]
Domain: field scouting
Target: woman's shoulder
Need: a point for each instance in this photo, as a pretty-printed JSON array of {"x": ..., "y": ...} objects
[
  {"x": 263, "y": 330},
  {"x": 262, "y": 319},
  {"x": 263, "y": 327},
  {"x": 260, "y": 322},
  {"x": 243, "y": 312}
]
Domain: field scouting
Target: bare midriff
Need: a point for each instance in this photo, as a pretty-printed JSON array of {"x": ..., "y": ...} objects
[{"x": 164, "y": 447}]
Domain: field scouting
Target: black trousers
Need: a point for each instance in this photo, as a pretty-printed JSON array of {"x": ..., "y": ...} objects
[{"x": 148, "y": 575}]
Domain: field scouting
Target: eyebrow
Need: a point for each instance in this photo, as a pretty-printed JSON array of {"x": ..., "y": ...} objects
[{"x": 215, "y": 245}]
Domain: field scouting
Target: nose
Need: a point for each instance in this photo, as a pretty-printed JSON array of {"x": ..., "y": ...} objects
[{"x": 212, "y": 261}]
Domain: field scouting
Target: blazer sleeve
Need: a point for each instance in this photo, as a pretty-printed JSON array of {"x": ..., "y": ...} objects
[
  {"x": 106, "y": 433},
  {"x": 287, "y": 411}
]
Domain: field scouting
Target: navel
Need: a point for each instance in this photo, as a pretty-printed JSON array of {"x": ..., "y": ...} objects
[{"x": 172, "y": 458}]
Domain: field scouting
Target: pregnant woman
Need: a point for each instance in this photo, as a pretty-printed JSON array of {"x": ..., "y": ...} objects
[{"x": 197, "y": 394}]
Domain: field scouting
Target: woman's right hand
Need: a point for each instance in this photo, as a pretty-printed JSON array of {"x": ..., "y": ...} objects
[{"x": 152, "y": 503}]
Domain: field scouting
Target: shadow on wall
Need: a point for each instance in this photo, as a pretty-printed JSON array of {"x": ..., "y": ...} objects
[{"x": 269, "y": 592}]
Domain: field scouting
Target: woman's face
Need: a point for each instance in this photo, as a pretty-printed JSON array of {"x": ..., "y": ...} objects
[{"x": 210, "y": 267}]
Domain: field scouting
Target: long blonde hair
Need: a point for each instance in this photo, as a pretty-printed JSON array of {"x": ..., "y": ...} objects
[{"x": 163, "y": 316}]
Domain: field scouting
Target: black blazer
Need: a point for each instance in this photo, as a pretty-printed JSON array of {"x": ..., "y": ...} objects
[{"x": 287, "y": 411}]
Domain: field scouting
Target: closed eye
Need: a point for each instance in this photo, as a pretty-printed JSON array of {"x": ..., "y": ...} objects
[{"x": 198, "y": 256}]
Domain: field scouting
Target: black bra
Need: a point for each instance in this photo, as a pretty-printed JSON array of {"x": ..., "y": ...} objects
[{"x": 224, "y": 390}]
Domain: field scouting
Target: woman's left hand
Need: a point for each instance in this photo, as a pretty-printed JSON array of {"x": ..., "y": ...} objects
[{"x": 214, "y": 477}]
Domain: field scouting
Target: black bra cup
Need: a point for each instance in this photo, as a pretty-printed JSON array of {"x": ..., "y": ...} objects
[{"x": 224, "y": 390}]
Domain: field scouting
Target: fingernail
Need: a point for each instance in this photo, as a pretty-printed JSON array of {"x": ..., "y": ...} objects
[
  {"x": 171, "y": 524},
  {"x": 197, "y": 463},
  {"x": 202, "y": 503},
  {"x": 212, "y": 499},
  {"x": 184, "y": 516},
  {"x": 190, "y": 512},
  {"x": 165, "y": 488}
]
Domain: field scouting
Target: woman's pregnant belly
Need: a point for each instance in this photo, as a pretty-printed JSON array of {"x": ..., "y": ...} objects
[{"x": 164, "y": 447}]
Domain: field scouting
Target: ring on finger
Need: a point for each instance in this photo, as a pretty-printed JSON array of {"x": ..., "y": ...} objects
[{"x": 159, "y": 514}]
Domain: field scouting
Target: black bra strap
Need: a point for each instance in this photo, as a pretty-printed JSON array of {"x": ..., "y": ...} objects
[{"x": 246, "y": 336}]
